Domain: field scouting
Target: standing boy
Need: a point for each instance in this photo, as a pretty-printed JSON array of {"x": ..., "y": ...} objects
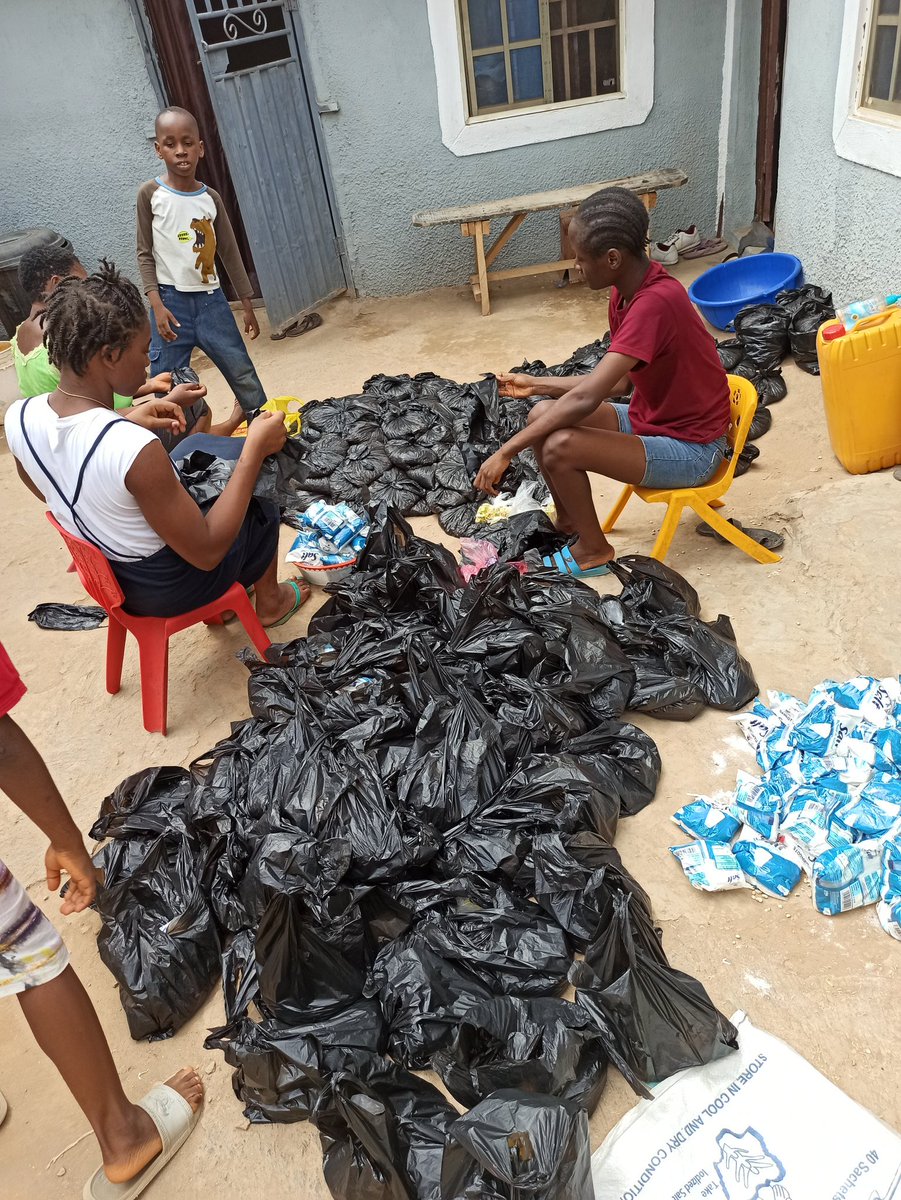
[{"x": 182, "y": 226}]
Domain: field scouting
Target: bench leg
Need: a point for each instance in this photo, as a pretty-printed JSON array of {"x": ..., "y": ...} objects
[{"x": 478, "y": 231}]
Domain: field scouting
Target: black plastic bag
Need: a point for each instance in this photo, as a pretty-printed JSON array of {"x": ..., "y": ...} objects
[
  {"x": 761, "y": 423},
  {"x": 808, "y": 308},
  {"x": 707, "y": 655},
  {"x": 512, "y": 947},
  {"x": 383, "y": 1134},
  {"x": 660, "y": 695},
  {"x": 534, "y": 1146},
  {"x": 152, "y": 801},
  {"x": 763, "y": 331},
  {"x": 576, "y": 877},
  {"x": 67, "y": 617},
  {"x": 280, "y": 1070},
  {"x": 662, "y": 1020},
  {"x": 307, "y": 971},
  {"x": 522, "y": 532},
  {"x": 731, "y": 353},
  {"x": 542, "y": 1045},
  {"x": 159, "y": 940},
  {"x": 769, "y": 385},
  {"x": 423, "y": 997}
]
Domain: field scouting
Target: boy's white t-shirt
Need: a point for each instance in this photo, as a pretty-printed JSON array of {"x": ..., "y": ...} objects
[
  {"x": 184, "y": 238},
  {"x": 105, "y": 506}
]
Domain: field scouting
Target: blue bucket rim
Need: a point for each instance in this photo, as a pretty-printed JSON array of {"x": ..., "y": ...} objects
[{"x": 726, "y": 303}]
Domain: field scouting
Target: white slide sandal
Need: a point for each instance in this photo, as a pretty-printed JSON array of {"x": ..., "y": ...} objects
[{"x": 175, "y": 1121}]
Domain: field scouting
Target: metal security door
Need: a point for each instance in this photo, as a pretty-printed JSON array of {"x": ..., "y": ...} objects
[{"x": 269, "y": 126}]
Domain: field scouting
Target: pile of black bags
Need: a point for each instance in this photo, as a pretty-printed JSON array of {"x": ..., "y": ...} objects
[
  {"x": 414, "y": 443},
  {"x": 394, "y": 861}
]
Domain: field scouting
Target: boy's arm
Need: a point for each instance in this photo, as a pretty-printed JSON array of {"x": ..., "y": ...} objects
[
  {"x": 146, "y": 261},
  {"x": 227, "y": 249},
  {"x": 147, "y": 264},
  {"x": 25, "y": 779}
]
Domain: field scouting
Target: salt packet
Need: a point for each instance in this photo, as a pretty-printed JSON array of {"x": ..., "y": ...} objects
[
  {"x": 847, "y": 877},
  {"x": 764, "y": 868},
  {"x": 709, "y": 866},
  {"x": 705, "y": 821},
  {"x": 889, "y": 907}
]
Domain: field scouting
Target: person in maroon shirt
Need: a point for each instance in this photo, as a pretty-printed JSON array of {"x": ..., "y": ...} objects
[{"x": 671, "y": 433}]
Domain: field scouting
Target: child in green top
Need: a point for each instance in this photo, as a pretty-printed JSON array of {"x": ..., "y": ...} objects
[{"x": 40, "y": 271}]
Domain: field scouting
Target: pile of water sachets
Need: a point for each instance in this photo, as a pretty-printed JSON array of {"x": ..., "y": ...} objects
[
  {"x": 828, "y": 803},
  {"x": 330, "y": 535}
]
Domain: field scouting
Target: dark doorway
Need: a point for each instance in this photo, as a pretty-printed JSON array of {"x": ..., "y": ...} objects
[
  {"x": 177, "y": 56},
  {"x": 772, "y": 56}
]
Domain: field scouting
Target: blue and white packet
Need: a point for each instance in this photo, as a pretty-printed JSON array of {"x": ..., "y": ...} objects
[
  {"x": 847, "y": 877},
  {"x": 889, "y": 907},
  {"x": 709, "y": 866},
  {"x": 766, "y": 869},
  {"x": 870, "y": 813},
  {"x": 756, "y": 805},
  {"x": 705, "y": 821}
]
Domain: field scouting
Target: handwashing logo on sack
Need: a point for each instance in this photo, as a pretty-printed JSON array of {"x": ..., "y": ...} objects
[{"x": 747, "y": 1169}]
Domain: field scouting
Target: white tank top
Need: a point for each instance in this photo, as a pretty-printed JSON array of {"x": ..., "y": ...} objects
[{"x": 53, "y": 450}]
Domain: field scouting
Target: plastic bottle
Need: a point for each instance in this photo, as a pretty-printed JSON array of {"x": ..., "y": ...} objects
[{"x": 852, "y": 313}]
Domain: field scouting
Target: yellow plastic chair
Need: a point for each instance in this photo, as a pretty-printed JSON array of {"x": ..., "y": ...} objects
[{"x": 706, "y": 499}]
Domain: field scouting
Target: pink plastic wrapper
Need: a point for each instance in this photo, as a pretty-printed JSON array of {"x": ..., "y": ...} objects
[{"x": 476, "y": 554}]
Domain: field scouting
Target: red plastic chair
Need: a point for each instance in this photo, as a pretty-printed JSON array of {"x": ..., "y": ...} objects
[{"x": 152, "y": 633}]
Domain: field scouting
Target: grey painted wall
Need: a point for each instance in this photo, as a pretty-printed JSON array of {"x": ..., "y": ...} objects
[
  {"x": 77, "y": 108},
  {"x": 840, "y": 218},
  {"x": 741, "y": 142},
  {"x": 388, "y": 160}
]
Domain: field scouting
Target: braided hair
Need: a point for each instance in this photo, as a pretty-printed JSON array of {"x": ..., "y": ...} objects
[
  {"x": 612, "y": 219},
  {"x": 84, "y": 315},
  {"x": 40, "y": 264}
]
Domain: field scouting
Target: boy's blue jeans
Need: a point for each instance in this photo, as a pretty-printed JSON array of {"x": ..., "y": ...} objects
[{"x": 207, "y": 322}]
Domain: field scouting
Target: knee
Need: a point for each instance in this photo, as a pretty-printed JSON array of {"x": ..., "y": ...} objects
[
  {"x": 557, "y": 447},
  {"x": 538, "y": 411}
]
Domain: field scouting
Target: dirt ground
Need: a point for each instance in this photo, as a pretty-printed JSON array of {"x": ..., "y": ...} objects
[{"x": 829, "y": 987}]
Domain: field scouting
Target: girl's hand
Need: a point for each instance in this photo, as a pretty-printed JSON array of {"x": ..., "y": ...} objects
[
  {"x": 158, "y": 384},
  {"x": 516, "y": 387},
  {"x": 266, "y": 433},
  {"x": 76, "y": 862},
  {"x": 186, "y": 394},
  {"x": 492, "y": 472},
  {"x": 158, "y": 414}
]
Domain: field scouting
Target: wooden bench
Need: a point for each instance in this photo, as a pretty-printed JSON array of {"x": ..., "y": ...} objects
[{"x": 475, "y": 222}]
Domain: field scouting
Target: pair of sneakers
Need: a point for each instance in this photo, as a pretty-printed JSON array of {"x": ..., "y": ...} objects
[{"x": 668, "y": 253}]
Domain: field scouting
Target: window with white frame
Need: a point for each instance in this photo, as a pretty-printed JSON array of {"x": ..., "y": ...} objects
[
  {"x": 882, "y": 81},
  {"x": 525, "y": 53},
  {"x": 866, "y": 123},
  {"x": 516, "y": 72}
]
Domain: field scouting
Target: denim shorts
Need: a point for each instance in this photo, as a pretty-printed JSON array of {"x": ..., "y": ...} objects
[{"x": 672, "y": 463}]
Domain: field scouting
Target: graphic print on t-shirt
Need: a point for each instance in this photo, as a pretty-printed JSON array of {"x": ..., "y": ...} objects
[{"x": 204, "y": 247}]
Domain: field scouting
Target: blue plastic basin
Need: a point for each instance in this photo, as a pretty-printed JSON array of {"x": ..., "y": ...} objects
[{"x": 726, "y": 289}]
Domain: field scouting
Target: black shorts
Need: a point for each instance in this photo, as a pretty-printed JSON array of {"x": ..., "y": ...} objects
[{"x": 164, "y": 585}]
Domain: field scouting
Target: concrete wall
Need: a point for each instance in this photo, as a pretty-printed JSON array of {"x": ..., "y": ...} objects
[
  {"x": 741, "y": 125},
  {"x": 77, "y": 109},
  {"x": 840, "y": 218},
  {"x": 388, "y": 160}
]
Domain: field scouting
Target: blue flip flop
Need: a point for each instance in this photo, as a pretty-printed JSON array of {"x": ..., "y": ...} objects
[{"x": 564, "y": 562}]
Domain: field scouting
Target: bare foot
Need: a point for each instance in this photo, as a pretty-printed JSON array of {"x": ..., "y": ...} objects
[
  {"x": 143, "y": 1144},
  {"x": 227, "y": 427},
  {"x": 588, "y": 558},
  {"x": 287, "y": 599}
]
